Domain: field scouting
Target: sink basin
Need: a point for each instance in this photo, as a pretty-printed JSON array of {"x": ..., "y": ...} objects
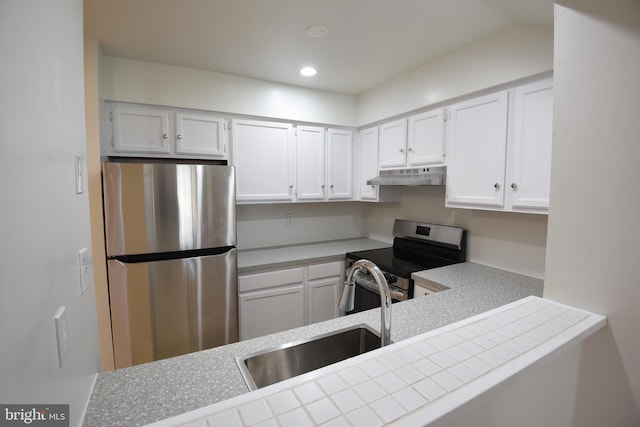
[{"x": 270, "y": 366}]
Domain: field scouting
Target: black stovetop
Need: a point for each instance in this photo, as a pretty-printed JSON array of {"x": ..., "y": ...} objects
[{"x": 395, "y": 262}]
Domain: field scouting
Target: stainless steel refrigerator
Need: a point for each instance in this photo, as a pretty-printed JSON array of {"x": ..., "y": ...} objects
[{"x": 170, "y": 234}]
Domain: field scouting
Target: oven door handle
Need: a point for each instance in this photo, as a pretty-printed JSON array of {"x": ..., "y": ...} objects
[{"x": 372, "y": 286}]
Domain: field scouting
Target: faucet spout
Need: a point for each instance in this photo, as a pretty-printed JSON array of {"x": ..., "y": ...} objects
[{"x": 348, "y": 295}]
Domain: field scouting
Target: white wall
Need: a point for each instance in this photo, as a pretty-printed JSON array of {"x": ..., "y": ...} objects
[
  {"x": 264, "y": 225},
  {"x": 148, "y": 83},
  {"x": 514, "y": 242},
  {"x": 44, "y": 223},
  {"x": 515, "y": 53},
  {"x": 542, "y": 395},
  {"x": 594, "y": 226}
]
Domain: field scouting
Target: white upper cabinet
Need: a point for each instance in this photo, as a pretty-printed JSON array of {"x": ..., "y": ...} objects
[
  {"x": 529, "y": 155},
  {"x": 339, "y": 164},
  {"x": 200, "y": 134},
  {"x": 393, "y": 144},
  {"x": 413, "y": 142},
  {"x": 264, "y": 156},
  {"x": 367, "y": 168},
  {"x": 310, "y": 163},
  {"x": 477, "y": 139},
  {"x": 149, "y": 131},
  {"x": 140, "y": 130},
  {"x": 276, "y": 162},
  {"x": 425, "y": 138},
  {"x": 368, "y": 163},
  {"x": 324, "y": 164},
  {"x": 499, "y": 150}
]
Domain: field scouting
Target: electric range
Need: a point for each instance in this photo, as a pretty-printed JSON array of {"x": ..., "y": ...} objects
[{"x": 416, "y": 247}]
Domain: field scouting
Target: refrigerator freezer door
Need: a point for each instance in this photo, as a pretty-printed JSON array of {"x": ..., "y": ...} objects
[
  {"x": 164, "y": 207},
  {"x": 162, "y": 309}
]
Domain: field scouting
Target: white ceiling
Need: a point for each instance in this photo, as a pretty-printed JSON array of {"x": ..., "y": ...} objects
[{"x": 369, "y": 41}]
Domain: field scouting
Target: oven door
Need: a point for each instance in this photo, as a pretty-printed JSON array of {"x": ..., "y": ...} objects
[{"x": 367, "y": 295}]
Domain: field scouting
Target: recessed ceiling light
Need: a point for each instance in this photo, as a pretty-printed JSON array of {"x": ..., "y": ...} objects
[
  {"x": 316, "y": 31},
  {"x": 308, "y": 71}
]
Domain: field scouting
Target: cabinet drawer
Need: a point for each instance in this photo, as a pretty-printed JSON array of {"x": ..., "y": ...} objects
[
  {"x": 251, "y": 282},
  {"x": 329, "y": 269}
]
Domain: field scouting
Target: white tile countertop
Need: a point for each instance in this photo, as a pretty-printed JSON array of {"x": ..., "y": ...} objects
[{"x": 411, "y": 382}]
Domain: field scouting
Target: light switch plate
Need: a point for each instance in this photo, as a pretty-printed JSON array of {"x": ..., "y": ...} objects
[
  {"x": 78, "y": 173},
  {"x": 62, "y": 333},
  {"x": 85, "y": 268}
]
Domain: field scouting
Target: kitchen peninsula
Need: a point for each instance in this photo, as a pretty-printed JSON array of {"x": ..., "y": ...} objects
[{"x": 162, "y": 389}]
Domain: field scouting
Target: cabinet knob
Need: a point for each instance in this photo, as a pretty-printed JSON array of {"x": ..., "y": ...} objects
[
  {"x": 514, "y": 185},
  {"x": 165, "y": 136},
  {"x": 323, "y": 186},
  {"x": 291, "y": 186},
  {"x": 401, "y": 150},
  {"x": 496, "y": 186},
  {"x": 410, "y": 149},
  {"x": 179, "y": 136},
  {"x": 331, "y": 186}
]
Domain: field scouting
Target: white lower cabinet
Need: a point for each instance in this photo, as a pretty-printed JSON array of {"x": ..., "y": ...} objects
[
  {"x": 279, "y": 300},
  {"x": 323, "y": 287},
  {"x": 271, "y": 310}
]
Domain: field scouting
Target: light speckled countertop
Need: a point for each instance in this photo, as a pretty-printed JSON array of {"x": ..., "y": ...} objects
[
  {"x": 158, "y": 390},
  {"x": 250, "y": 260},
  {"x": 462, "y": 274}
]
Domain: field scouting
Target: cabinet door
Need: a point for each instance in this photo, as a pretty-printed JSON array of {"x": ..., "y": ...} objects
[
  {"x": 271, "y": 310},
  {"x": 393, "y": 142},
  {"x": 323, "y": 287},
  {"x": 368, "y": 163},
  {"x": 323, "y": 299},
  {"x": 530, "y": 156},
  {"x": 264, "y": 156},
  {"x": 200, "y": 134},
  {"x": 310, "y": 165},
  {"x": 476, "y": 153},
  {"x": 140, "y": 130},
  {"x": 339, "y": 165},
  {"x": 425, "y": 138}
]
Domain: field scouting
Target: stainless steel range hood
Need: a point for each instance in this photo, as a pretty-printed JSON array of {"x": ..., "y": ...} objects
[{"x": 411, "y": 177}]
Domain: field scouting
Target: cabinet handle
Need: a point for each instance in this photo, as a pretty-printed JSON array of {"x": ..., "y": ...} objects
[
  {"x": 401, "y": 150},
  {"x": 179, "y": 136},
  {"x": 410, "y": 149},
  {"x": 496, "y": 186},
  {"x": 514, "y": 185},
  {"x": 165, "y": 136}
]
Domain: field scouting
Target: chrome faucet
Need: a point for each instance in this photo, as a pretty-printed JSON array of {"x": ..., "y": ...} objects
[{"x": 348, "y": 296}]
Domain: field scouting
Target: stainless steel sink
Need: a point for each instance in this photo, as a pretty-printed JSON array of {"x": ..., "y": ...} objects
[{"x": 270, "y": 366}]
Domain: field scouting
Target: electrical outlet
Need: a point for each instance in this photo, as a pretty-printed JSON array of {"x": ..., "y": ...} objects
[
  {"x": 288, "y": 218},
  {"x": 62, "y": 333}
]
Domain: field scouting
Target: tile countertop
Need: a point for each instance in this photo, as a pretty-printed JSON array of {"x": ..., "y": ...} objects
[
  {"x": 250, "y": 260},
  {"x": 413, "y": 382},
  {"x": 154, "y": 391}
]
